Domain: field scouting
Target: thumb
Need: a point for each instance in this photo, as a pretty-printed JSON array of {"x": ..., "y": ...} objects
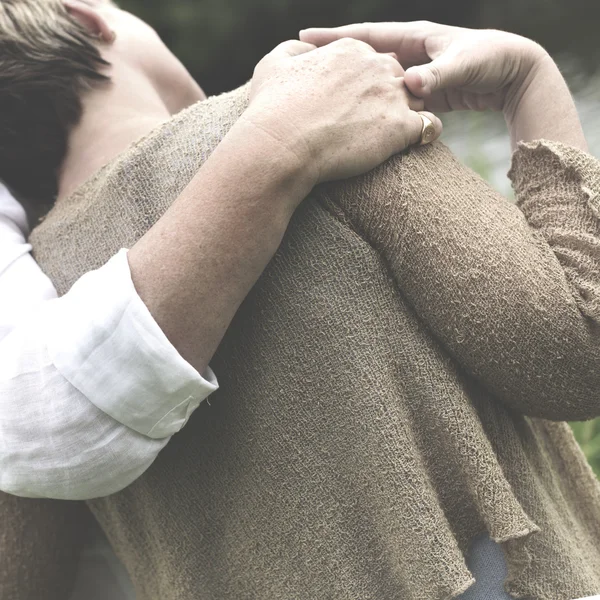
[
  {"x": 442, "y": 73},
  {"x": 291, "y": 48}
]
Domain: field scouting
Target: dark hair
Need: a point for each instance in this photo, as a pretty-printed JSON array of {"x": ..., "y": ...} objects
[{"x": 47, "y": 60}]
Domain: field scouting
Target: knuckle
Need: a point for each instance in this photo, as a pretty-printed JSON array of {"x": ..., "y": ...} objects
[
  {"x": 343, "y": 42},
  {"x": 352, "y": 44},
  {"x": 265, "y": 64},
  {"x": 282, "y": 46},
  {"x": 374, "y": 62},
  {"x": 258, "y": 69},
  {"x": 435, "y": 74},
  {"x": 424, "y": 24},
  {"x": 389, "y": 63},
  {"x": 265, "y": 59},
  {"x": 417, "y": 105}
]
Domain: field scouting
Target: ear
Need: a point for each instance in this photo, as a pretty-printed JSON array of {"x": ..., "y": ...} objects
[{"x": 91, "y": 19}]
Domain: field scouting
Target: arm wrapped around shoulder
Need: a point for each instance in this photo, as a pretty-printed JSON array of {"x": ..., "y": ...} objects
[{"x": 513, "y": 292}]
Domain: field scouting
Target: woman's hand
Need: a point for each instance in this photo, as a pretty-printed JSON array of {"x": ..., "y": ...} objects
[
  {"x": 451, "y": 68},
  {"x": 340, "y": 110}
]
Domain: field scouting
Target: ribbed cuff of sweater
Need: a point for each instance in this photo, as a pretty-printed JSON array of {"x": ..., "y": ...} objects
[
  {"x": 555, "y": 168},
  {"x": 558, "y": 189}
]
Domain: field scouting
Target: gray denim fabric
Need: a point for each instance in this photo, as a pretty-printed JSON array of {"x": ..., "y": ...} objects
[
  {"x": 486, "y": 562},
  {"x": 101, "y": 575}
]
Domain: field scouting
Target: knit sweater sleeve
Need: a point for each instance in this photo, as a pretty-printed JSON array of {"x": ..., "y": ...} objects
[{"x": 512, "y": 292}]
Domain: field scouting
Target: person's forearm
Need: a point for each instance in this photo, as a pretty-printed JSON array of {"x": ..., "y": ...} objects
[
  {"x": 542, "y": 108},
  {"x": 196, "y": 265},
  {"x": 513, "y": 298}
]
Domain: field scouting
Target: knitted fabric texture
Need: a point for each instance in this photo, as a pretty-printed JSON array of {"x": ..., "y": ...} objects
[
  {"x": 40, "y": 545},
  {"x": 393, "y": 386}
]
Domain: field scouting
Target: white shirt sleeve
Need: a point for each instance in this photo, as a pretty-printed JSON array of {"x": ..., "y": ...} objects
[{"x": 91, "y": 389}]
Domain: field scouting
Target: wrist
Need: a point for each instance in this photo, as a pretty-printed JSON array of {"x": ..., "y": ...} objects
[
  {"x": 542, "y": 107},
  {"x": 285, "y": 146},
  {"x": 534, "y": 62}
]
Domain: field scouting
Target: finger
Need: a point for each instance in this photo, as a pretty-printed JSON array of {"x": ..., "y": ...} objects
[
  {"x": 393, "y": 64},
  {"x": 415, "y": 104},
  {"x": 291, "y": 48},
  {"x": 407, "y": 40},
  {"x": 320, "y": 36},
  {"x": 445, "y": 72},
  {"x": 353, "y": 44},
  {"x": 416, "y": 126}
]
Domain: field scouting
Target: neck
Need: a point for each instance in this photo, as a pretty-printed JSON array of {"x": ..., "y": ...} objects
[{"x": 113, "y": 118}]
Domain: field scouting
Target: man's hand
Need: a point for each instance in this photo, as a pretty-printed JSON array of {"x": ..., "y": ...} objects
[{"x": 341, "y": 110}]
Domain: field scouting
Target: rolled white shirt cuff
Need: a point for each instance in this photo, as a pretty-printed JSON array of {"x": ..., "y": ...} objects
[{"x": 104, "y": 341}]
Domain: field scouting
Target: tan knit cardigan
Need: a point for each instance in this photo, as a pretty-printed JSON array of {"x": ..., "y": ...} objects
[{"x": 392, "y": 386}]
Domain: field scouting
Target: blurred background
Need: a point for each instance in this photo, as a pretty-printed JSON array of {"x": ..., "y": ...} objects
[{"x": 220, "y": 42}]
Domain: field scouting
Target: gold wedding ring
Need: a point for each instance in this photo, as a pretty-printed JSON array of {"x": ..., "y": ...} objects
[{"x": 428, "y": 131}]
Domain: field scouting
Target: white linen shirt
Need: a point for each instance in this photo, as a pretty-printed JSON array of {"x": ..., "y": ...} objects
[{"x": 91, "y": 389}]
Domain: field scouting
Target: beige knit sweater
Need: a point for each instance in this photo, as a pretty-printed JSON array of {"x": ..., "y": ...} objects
[{"x": 387, "y": 388}]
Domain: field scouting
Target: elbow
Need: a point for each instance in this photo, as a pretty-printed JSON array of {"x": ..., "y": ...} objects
[
  {"x": 558, "y": 404},
  {"x": 561, "y": 383},
  {"x": 547, "y": 364}
]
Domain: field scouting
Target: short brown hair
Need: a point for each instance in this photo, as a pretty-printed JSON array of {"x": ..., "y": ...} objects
[{"x": 47, "y": 60}]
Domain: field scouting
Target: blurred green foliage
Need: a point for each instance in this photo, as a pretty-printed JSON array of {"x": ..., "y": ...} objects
[{"x": 588, "y": 435}]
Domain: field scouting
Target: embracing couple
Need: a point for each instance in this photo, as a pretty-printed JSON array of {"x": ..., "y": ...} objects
[{"x": 393, "y": 347}]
